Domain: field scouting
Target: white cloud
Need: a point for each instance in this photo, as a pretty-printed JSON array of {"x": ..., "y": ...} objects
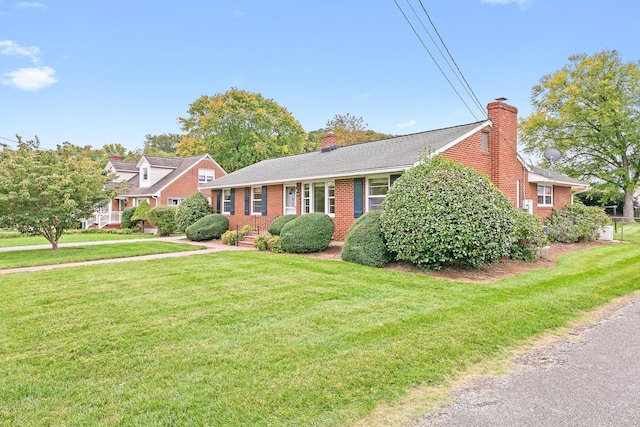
[
  {"x": 408, "y": 124},
  {"x": 8, "y": 47},
  {"x": 521, "y": 3},
  {"x": 31, "y": 78},
  {"x": 31, "y": 4}
]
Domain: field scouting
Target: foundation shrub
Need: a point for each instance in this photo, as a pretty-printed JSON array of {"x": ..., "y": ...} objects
[
  {"x": 576, "y": 223},
  {"x": 164, "y": 218},
  {"x": 310, "y": 232},
  {"x": 278, "y": 223},
  {"x": 208, "y": 228},
  {"x": 192, "y": 208},
  {"x": 440, "y": 214},
  {"x": 125, "y": 219},
  {"x": 364, "y": 243},
  {"x": 528, "y": 236}
]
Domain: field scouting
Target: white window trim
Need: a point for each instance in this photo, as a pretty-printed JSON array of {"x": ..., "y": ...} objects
[
  {"x": 544, "y": 195},
  {"x": 179, "y": 199},
  {"x": 367, "y": 188},
  {"x": 145, "y": 174},
  {"x": 253, "y": 199},
  {"x": 222, "y": 208},
  {"x": 206, "y": 173},
  {"x": 311, "y": 198}
]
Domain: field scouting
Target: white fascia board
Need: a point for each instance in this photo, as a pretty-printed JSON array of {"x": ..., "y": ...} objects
[
  {"x": 463, "y": 137},
  {"x": 539, "y": 179}
]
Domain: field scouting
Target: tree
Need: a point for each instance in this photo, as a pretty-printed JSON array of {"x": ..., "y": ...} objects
[
  {"x": 349, "y": 129},
  {"x": 194, "y": 207},
  {"x": 44, "y": 192},
  {"x": 161, "y": 145},
  {"x": 590, "y": 111},
  {"x": 141, "y": 213},
  {"x": 239, "y": 128}
]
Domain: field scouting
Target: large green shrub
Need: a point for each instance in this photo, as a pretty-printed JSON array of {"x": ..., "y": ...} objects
[
  {"x": 209, "y": 227},
  {"x": 576, "y": 223},
  {"x": 441, "y": 213},
  {"x": 164, "y": 218},
  {"x": 125, "y": 220},
  {"x": 191, "y": 210},
  {"x": 365, "y": 243},
  {"x": 528, "y": 236},
  {"x": 142, "y": 211},
  {"x": 276, "y": 226},
  {"x": 310, "y": 232}
]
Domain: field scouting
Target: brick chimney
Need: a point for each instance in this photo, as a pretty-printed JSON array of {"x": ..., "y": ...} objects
[
  {"x": 506, "y": 169},
  {"x": 328, "y": 142},
  {"x": 115, "y": 158}
]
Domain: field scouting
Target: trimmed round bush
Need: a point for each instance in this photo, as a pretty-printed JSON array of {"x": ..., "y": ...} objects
[
  {"x": 528, "y": 236},
  {"x": 191, "y": 209},
  {"x": 576, "y": 223},
  {"x": 164, "y": 218},
  {"x": 310, "y": 232},
  {"x": 441, "y": 213},
  {"x": 278, "y": 223},
  {"x": 125, "y": 220},
  {"x": 209, "y": 227},
  {"x": 365, "y": 244}
]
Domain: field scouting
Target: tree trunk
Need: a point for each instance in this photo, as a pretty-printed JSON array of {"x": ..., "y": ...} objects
[{"x": 627, "y": 211}]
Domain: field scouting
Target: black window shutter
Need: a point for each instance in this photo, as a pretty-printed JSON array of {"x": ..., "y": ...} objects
[
  {"x": 247, "y": 200},
  {"x": 218, "y": 196},
  {"x": 232, "y": 209},
  {"x": 357, "y": 197},
  {"x": 264, "y": 200},
  {"x": 392, "y": 179}
]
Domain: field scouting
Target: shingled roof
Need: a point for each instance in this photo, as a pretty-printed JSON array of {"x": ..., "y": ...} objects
[{"x": 387, "y": 155}]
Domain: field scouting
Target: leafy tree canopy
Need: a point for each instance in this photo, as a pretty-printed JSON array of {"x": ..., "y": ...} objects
[
  {"x": 239, "y": 128},
  {"x": 590, "y": 111},
  {"x": 161, "y": 145},
  {"x": 348, "y": 130},
  {"x": 44, "y": 192}
]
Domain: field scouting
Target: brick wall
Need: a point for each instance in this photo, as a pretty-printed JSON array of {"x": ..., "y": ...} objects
[
  {"x": 562, "y": 196},
  {"x": 469, "y": 153},
  {"x": 275, "y": 206},
  {"x": 344, "y": 208},
  {"x": 187, "y": 184}
]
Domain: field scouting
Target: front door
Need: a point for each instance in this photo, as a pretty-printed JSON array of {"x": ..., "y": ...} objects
[{"x": 289, "y": 199}]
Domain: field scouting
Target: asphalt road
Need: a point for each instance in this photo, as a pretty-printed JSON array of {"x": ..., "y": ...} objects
[{"x": 590, "y": 381}]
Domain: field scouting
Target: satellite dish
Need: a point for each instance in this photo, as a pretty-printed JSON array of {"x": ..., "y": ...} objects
[{"x": 552, "y": 155}]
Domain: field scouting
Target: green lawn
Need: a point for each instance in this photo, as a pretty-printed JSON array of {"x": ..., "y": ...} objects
[
  {"x": 34, "y": 257},
  {"x": 628, "y": 232},
  {"x": 259, "y": 339},
  {"x": 70, "y": 238}
]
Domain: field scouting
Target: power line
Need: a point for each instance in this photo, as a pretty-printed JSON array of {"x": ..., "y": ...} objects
[
  {"x": 434, "y": 60},
  {"x": 472, "y": 94}
]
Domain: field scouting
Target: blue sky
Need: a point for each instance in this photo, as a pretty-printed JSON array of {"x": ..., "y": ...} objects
[{"x": 98, "y": 72}]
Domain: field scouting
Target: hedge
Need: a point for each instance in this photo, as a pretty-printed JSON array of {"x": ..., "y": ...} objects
[
  {"x": 364, "y": 243},
  {"x": 310, "y": 232},
  {"x": 208, "y": 228}
]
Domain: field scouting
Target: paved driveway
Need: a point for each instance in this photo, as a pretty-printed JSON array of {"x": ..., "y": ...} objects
[{"x": 592, "y": 381}]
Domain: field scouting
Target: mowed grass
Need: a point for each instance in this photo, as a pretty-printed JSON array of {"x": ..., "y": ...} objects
[
  {"x": 629, "y": 232},
  {"x": 37, "y": 257},
  {"x": 70, "y": 238},
  {"x": 259, "y": 339}
]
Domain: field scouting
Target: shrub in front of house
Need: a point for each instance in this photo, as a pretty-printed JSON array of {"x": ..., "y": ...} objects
[
  {"x": 441, "y": 213},
  {"x": 125, "y": 219},
  {"x": 576, "y": 223},
  {"x": 192, "y": 208},
  {"x": 141, "y": 213},
  {"x": 528, "y": 236},
  {"x": 275, "y": 244},
  {"x": 231, "y": 237},
  {"x": 261, "y": 242},
  {"x": 364, "y": 243},
  {"x": 210, "y": 227},
  {"x": 276, "y": 226},
  {"x": 164, "y": 218},
  {"x": 310, "y": 232}
]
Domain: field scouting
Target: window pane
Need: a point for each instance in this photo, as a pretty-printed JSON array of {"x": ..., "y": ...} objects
[
  {"x": 306, "y": 196},
  {"x": 331, "y": 197},
  {"x": 375, "y": 203},
  {"x": 318, "y": 197}
]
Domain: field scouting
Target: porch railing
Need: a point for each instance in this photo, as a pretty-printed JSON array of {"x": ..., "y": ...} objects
[
  {"x": 102, "y": 219},
  {"x": 260, "y": 223}
]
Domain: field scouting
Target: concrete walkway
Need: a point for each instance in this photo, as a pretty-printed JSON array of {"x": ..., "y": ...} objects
[{"x": 211, "y": 246}]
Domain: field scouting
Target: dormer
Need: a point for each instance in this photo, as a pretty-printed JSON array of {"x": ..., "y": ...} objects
[{"x": 144, "y": 173}]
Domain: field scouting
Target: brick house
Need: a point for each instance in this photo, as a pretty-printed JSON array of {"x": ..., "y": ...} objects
[
  {"x": 346, "y": 182},
  {"x": 161, "y": 181}
]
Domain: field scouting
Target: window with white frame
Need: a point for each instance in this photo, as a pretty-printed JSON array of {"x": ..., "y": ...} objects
[
  {"x": 226, "y": 201},
  {"x": 256, "y": 200},
  {"x": 205, "y": 175},
  {"x": 545, "y": 195},
  {"x": 145, "y": 174},
  {"x": 139, "y": 200},
  {"x": 174, "y": 201},
  {"x": 319, "y": 197},
  {"x": 376, "y": 192}
]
